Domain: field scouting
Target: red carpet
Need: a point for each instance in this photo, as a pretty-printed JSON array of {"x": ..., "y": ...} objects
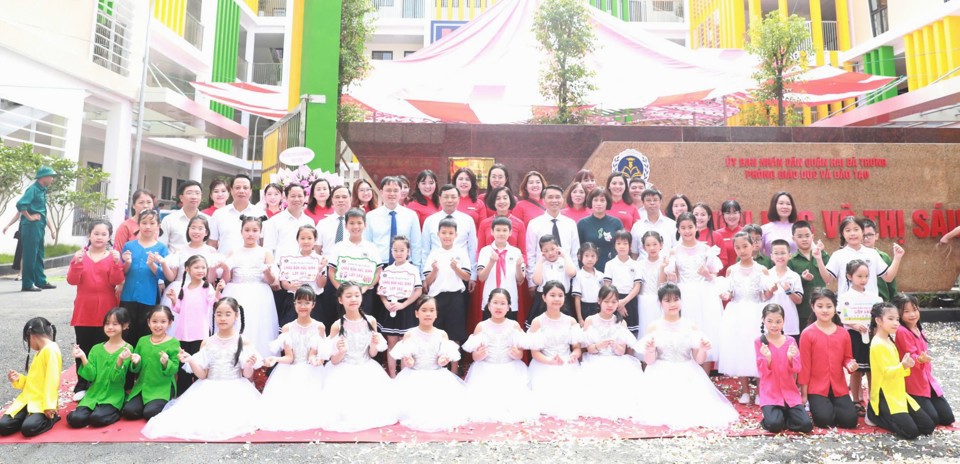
[{"x": 546, "y": 429}]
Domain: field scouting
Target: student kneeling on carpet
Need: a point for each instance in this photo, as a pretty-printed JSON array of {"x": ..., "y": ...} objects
[
  {"x": 105, "y": 367},
  {"x": 34, "y": 411}
]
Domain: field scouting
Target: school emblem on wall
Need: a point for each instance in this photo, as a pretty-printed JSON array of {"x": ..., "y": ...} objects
[{"x": 631, "y": 163}]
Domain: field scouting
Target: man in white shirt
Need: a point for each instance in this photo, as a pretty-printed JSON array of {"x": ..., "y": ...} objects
[
  {"x": 552, "y": 222},
  {"x": 280, "y": 231},
  {"x": 225, "y": 223},
  {"x": 332, "y": 229},
  {"x": 174, "y": 225},
  {"x": 652, "y": 220},
  {"x": 391, "y": 219},
  {"x": 466, "y": 230}
]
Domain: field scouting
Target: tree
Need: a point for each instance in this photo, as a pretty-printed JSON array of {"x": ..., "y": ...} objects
[
  {"x": 356, "y": 27},
  {"x": 76, "y": 189},
  {"x": 16, "y": 163},
  {"x": 564, "y": 31},
  {"x": 779, "y": 45}
]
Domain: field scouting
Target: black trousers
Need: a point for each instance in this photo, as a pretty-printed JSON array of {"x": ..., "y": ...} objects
[
  {"x": 136, "y": 410},
  {"x": 909, "y": 425},
  {"x": 30, "y": 425},
  {"x": 18, "y": 253},
  {"x": 100, "y": 416},
  {"x": 936, "y": 407},
  {"x": 184, "y": 379},
  {"x": 778, "y": 418},
  {"x": 138, "y": 321},
  {"x": 87, "y": 338},
  {"x": 833, "y": 411}
]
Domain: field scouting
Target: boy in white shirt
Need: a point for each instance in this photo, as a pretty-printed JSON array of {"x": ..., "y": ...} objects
[
  {"x": 445, "y": 270},
  {"x": 500, "y": 265},
  {"x": 624, "y": 274},
  {"x": 553, "y": 264}
]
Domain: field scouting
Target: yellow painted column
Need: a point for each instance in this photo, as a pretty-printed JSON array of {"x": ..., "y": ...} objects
[
  {"x": 816, "y": 29},
  {"x": 843, "y": 25},
  {"x": 939, "y": 49},
  {"x": 460, "y": 10},
  {"x": 919, "y": 66},
  {"x": 739, "y": 24},
  {"x": 928, "y": 58},
  {"x": 951, "y": 36},
  {"x": 437, "y": 8},
  {"x": 756, "y": 12},
  {"x": 835, "y": 107},
  {"x": 784, "y": 9},
  {"x": 909, "y": 57},
  {"x": 726, "y": 24},
  {"x": 807, "y": 116},
  {"x": 296, "y": 52}
]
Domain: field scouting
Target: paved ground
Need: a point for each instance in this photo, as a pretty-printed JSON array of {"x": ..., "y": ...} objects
[{"x": 56, "y": 305}]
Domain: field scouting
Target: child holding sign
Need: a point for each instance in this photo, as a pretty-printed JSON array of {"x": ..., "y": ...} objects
[
  {"x": 400, "y": 286},
  {"x": 304, "y": 268},
  {"x": 854, "y": 307},
  {"x": 355, "y": 259}
]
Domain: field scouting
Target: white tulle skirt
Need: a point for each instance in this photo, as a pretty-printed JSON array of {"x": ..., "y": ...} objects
[
  {"x": 210, "y": 410},
  {"x": 259, "y": 313},
  {"x": 289, "y": 401},
  {"x": 555, "y": 389},
  {"x": 353, "y": 396},
  {"x": 500, "y": 392},
  {"x": 702, "y": 306},
  {"x": 649, "y": 311},
  {"x": 680, "y": 395},
  {"x": 602, "y": 375},
  {"x": 431, "y": 400},
  {"x": 740, "y": 327}
]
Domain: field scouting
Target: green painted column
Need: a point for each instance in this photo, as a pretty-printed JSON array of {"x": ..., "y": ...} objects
[
  {"x": 885, "y": 65},
  {"x": 226, "y": 45},
  {"x": 320, "y": 70}
]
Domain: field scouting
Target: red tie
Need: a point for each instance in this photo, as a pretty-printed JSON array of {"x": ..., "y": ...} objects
[{"x": 501, "y": 264}]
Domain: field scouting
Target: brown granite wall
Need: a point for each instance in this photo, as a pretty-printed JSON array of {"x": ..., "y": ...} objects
[{"x": 910, "y": 172}]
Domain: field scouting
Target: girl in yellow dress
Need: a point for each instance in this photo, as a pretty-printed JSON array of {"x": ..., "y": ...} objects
[{"x": 34, "y": 411}]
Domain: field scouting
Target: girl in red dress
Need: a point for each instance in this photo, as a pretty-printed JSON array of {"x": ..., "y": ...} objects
[{"x": 732, "y": 213}]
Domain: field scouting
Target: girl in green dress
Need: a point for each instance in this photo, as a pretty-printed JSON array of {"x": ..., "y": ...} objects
[
  {"x": 106, "y": 370},
  {"x": 155, "y": 360}
]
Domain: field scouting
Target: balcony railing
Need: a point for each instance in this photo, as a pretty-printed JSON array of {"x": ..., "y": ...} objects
[
  {"x": 655, "y": 11},
  {"x": 272, "y": 8},
  {"x": 111, "y": 36},
  {"x": 241, "y": 69},
  {"x": 830, "y": 42},
  {"x": 267, "y": 73},
  {"x": 400, "y": 8},
  {"x": 193, "y": 31}
]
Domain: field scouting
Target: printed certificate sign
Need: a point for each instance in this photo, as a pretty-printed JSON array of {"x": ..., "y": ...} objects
[
  {"x": 357, "y": 270},
  {"x": 396, "y": 285},
  {"x": 299, "y": 268}
]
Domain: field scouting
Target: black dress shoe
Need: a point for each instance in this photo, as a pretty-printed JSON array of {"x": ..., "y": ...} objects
[
  {"x": 31, "y": 289},
  {"x": 48, "y": 286}
]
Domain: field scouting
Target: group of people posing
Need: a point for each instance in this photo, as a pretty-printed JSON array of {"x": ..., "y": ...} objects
[{"x": 551, "y": 290}]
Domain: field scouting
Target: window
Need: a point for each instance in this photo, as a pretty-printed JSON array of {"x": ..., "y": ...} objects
[
  {"x": 878, "y": 16},
  {"x": 166, "y": 188},
  {"x": 407, "y": 53},
  {"x": 382, "y": 55}
]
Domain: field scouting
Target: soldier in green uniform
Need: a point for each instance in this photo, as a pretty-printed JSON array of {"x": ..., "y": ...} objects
[{"x": 33, "y": 220}]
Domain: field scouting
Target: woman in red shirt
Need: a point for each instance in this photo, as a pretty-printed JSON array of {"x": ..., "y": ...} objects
[
  {"x": 585, "y": 177},
  {"x": 364, "y": 196},
  {"x": 622, "y": 207},
  {"x": 530, "y": 204},
  {"x": 825, "y": 351},
  {"x": 466, "y": 182},
  {"x": 678, "y": 205},
  {"x": 219, "y": 196},
  {"x": 731, "y": 213},
  {"x": 497, "y": 176},
  {"x": 320, "y": 205},
  {"x": 272, "y": 199},
  {"x": 705, "y": 230},
  {"x": 142, "y": 199},
  {"x": 575, "y": 197},
  {"x": 424, "y": 198}
]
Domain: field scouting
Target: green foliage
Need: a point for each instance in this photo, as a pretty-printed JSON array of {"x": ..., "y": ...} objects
[
  {"x": 356, "y": 27},
  {"x": 563, "y": 29},
  {"x": 763, "y": 114},
  {"x": 75, "y": 188},
  {"x": 779, "y": 46},
  {"x": 16, "y": 164},
  {"x": 350, "y": 112}
]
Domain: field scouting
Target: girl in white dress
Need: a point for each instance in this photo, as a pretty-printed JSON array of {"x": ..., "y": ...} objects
[
  {"x": 652, "y": 272},
  {"x": 223, "y": 404},
  {"x": 694, "y": 266},
  {"x": 746, "y": 293},
  {"x": 298, "y": 373},
  {"x": 424, "y": 352},
  {"x": 353, "y": 379},
  {"x": 679, "y": 394},
  {"x": 607, "y": 365},
  {"x": 555, "y": 368},
  {"x": 497, "y": 383},
  {"x": 248, "y": 272}
]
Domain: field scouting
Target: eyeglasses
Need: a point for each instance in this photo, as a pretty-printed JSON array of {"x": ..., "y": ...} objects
[{"x": 869, "y": 235}]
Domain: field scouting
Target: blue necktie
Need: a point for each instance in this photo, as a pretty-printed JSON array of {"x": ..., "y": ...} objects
[{"x": 393, "y": 231}]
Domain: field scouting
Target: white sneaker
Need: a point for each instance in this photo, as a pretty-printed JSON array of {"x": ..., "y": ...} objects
[
  {"x": 77, "y": 396},
  {"x": 745, "y": 398}
]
